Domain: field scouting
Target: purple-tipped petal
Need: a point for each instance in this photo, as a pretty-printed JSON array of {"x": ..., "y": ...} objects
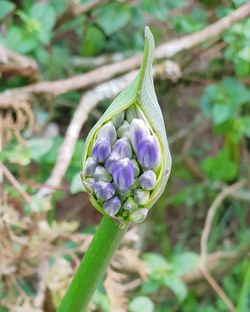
[
  {"x": 112, "y": 159},
  {"x": 118, "y": 119},
  {"x": 123, "y": 174},
  {"x": 90, "y": 166},
  {"x": 139, "y": 215},
  {"x": 108, "y": 132},
  {"x": 147, "y": 180},
  {"x": 141, "y": 196},
  {"x": 101, "y": 150},
  {"x": 123, "y": 148},
  {"x": 104, "y": 190},
  {"x": 138, "y": 132},
  {"x": 148, "y": 152},
  {"x": 101, "y": 174},
  {"x": 112, "y": 206}
]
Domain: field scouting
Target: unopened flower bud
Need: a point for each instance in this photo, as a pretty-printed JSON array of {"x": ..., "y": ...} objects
[
  {"x": 101, "y": 150},
  {"x": 148, "y": 152},
  {"x": 123, "y": 130},
  {"x": 139, "y": 215},
  {"x": 91, "y": 164},
  {"x": 138, "y": 132},
  {"x": 123, "y": 148},
  {"x": 89, "y": 184},
  {"x": 147, "y": 180},
  {"x": 112, "y": 206},
  {"x": 130, "y": 204},
  {"x": 123, "y": 174},
  {"x": 101, "y": 174},
  {"x": 118, "y": 119},
  {"x": 108, "y": 132},
  {"x": 104, "y": 190},
  {"x": 141, "y": 196},
  {"x": 136, "y": 167},
  {"x": 132, "y": 113},
  {"x": 112, "y": 159}
]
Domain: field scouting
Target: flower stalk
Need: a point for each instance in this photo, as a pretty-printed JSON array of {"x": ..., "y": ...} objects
[{"x": 93, "y": 266}]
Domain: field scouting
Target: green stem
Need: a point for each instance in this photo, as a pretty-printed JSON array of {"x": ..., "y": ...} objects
[{"x": 93, "y": 266}]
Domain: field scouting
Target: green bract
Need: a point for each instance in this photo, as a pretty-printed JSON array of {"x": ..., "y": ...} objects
[{"x": 139, "y": 102}]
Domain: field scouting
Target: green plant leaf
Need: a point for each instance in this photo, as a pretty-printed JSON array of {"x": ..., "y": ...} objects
[
  {"x": 157, "y": 264},
  {"x": 6, "y": 7},
  {"x": 39, "y": 147},
  {"x": 141, "y": 303},
  {"x": 76, "y": 184},
  {"x": 94, "y": 41},
  {"x": 45, "y": 14},
  {"x": 220, "y": 167},
  {"x": 244, "y": 297},
  {"x": 112, "y": 17},
  {"x": 177, "y": 286},
  {"x": 157, "y": 8},
  {"x": 185, "y": 262}
]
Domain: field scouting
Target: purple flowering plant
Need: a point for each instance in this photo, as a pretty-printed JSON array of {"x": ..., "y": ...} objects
[
  {"x": 129, "y": 149},
  {"x": 125, "y": 167}
]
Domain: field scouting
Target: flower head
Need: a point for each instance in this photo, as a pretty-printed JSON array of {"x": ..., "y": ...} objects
[{"x": 126, "y": 160}]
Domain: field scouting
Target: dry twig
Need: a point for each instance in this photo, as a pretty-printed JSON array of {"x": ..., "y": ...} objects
[
  {"x": 18, "y": 186},
  {"x": 76, "y": 8},
  {"x": 204, "y": 240},
  {"x": 165, "y": 50},
  {"x": 14, "y": 63}
]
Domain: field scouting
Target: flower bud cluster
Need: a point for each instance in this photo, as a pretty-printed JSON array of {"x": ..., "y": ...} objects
[{"x": 120, "y": 170}]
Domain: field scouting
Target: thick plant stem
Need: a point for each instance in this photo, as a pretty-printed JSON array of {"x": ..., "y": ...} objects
[{"x": 93, "y": 266}]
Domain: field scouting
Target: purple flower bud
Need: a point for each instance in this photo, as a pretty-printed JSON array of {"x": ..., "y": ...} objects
[
  {"x": 118, "y": 119},
  {"x": 90, "y": 166},
  {"x": 108, "y": 132},
  {"x": 141, "y": 196},
  {"x": 123, "y": 130},
  {"x": 136, "y": 167},
  {"x": 139, "y": 215},
  {"x": 138, "y": 132},
  {"x": 101, "y": 149},
  {"x": 112, "y": 159},
  {"x": 104, "y": 190},
  {"x": 147, "y": 180},
  {"x": 123, "y": 174},
  {"x": 130, "y": 204},
  {"x": 148, "y": 152},
  {"x": 123, "y": 148},
  {"x": 112, "y": 206},
  {"x": 101, "y": 174}
]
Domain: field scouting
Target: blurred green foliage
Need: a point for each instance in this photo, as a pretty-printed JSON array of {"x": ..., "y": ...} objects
[{"x": 220, "y": 94}]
